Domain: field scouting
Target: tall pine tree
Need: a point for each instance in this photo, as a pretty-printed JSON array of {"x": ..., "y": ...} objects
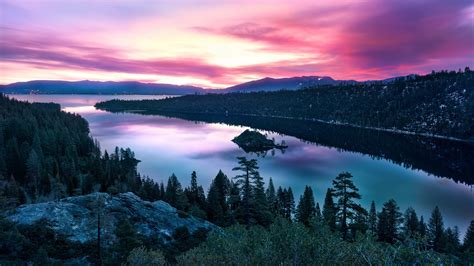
[
  {"x": 306, "y": 209},
  {"x": 390, "y": 219},
  {"x": 372, "y": 219},
  {"x": 436, "y": 230},
  {"x": 346, "y": 193},
  {"x": 249, "y": 169},
  {"x": 329, "y": 210}
]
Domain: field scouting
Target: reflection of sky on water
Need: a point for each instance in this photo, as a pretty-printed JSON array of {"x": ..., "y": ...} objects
[{"x": 167, "y": 145}]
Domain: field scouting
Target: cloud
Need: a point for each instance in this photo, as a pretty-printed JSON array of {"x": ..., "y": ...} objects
[
  {"x": 368, "y": 39},
  {"x": 378, "y": 37},
  {"x": 56, "y": 53}
]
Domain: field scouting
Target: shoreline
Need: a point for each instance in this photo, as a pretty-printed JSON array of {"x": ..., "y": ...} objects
[{"x": 396, "y": 131}]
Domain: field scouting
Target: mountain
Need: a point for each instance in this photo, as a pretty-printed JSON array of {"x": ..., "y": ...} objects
[
  {"x": 134, "y": 87},
  {"x": 294, "y": 83},
  {"x": 96, "y": 87}
]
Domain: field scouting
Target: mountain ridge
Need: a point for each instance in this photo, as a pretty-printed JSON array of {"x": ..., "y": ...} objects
[{"x": 136, "y": 87}]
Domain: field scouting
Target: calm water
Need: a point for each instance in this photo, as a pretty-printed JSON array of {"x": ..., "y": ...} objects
[{"x": 173, "y": 145}]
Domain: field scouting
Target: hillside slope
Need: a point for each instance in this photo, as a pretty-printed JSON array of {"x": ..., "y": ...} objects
[{"x": 437, "y": 104}]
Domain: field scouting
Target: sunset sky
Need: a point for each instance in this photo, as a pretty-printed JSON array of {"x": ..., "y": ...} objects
[{"x": 219, "y": 43}]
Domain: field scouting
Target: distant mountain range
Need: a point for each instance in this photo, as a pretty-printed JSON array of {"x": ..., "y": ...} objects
[
  {"x": 96, "y": 87},
  {"x": 133, "y": 87},
  {"x": 294, "y": 83}
]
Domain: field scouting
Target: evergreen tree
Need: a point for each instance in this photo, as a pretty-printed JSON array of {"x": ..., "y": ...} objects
[
  {"x": 272, "y": 198},
  {"x": 372, "y": 220},
  {"x": 162, "y": 190},
  {"x": 436, "y": 230},
  {"x": 422, "y": 227},
  {"x": 346, "y": 192},
  {"x": 192, "y": 192},
  {"x": 249, "y": 169},
  {"x": 195, "y": 194},
  {"x": 289, "y": 204},
  {"x": 262, "y": 214},
  {"x": 468, "y": 243},
  {"x": 389, "y": 221},
  {"x": 359, "y": 223},
  {"x": 329, "y": 210},
  {"x": 452, "y": 240},
  {"x": 306, "y": 209},
  {"x": 174, "y": 194},
  {"x": 233, "y": 202},
  {"x": 215, "y": 211},
  {"x": 281, "y": 197},
  {"x": 411, "y": 223},
  {"x": 318, "y": 212}
]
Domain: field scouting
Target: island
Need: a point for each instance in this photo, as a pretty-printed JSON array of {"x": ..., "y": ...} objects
[{"x": 253, "y": 141}]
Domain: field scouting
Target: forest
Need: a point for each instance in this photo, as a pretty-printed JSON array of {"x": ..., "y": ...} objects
[
  {"x": 441, "y": 103},
  {"x": 47, "y": 154}
]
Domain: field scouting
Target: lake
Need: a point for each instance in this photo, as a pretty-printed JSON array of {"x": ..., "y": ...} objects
[{"x": 415, "y": 171}]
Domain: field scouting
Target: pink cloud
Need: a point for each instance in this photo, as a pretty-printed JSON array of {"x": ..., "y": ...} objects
[
  {"x": 366, "y": 40},
  {"x": 380, "y": 38}
]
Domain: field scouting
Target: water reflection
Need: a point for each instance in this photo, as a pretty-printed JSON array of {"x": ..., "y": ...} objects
[{"x": 383, "y": 166}]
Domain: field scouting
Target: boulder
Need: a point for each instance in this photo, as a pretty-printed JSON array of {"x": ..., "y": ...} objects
[{"x": 76, "y": 218}]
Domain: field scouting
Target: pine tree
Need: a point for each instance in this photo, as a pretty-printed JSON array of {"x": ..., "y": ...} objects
[
  {"x": 233, "y": 202},
  {"x": 193, "y": 189},
  {"x": 389, "y": 221},
  {"x": 162, "y": 191},
  {"x": 372, "y": 222},
  {"x": 289, "y": 204},
  {"x": 262, "y": 214},
  {"x": 281, "y": 194},
  {"x": 436, "y": 230},
  {"x": 215, "y": 211},
  {"x": 346, "y": 192},
  {"x": 306, "y": 209},
  {"x": 422, "y": 227},
  {"x": 452, "y": 240},
  {"x": 174, "y": 194},
  {"x": 195, "y": 194},
  {"x": 468, "y": 243},
  {"x": 272, "y": 198},
  {"x": 359, "y": 223},
  {"x": 249, "y": 169},
  {"x": 329, "y": 210},
  {"x": 318, "y": 212},
  {"x": 411, "y": 223}
]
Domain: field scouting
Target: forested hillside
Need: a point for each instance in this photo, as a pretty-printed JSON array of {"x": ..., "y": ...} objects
[
  {"x": 47, "y": 154},
  {"x": 441, "y": 103}
]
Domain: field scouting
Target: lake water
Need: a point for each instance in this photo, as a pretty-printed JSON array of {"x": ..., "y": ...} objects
[{"x": 384, "y": 165}]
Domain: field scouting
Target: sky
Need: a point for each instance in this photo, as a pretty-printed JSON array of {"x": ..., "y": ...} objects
[{"x": 217, "y": 43}]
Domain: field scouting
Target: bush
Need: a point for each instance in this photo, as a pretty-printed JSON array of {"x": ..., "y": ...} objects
[
  {"x": 286, "y": 243},
  {"x": 142, "y": 256}
]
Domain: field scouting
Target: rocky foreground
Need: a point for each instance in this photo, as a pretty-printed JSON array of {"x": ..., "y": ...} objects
[{"x": 76, "y": 218}]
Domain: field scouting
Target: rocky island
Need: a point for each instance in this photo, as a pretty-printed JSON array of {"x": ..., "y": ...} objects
[{"x": 253, "y": 141}]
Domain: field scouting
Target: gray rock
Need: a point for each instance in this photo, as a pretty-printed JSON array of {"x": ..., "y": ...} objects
[{"x": 76, "y": 217}]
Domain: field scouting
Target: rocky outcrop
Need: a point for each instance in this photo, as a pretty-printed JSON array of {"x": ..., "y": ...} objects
[{"x": 77, "y": 217}]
